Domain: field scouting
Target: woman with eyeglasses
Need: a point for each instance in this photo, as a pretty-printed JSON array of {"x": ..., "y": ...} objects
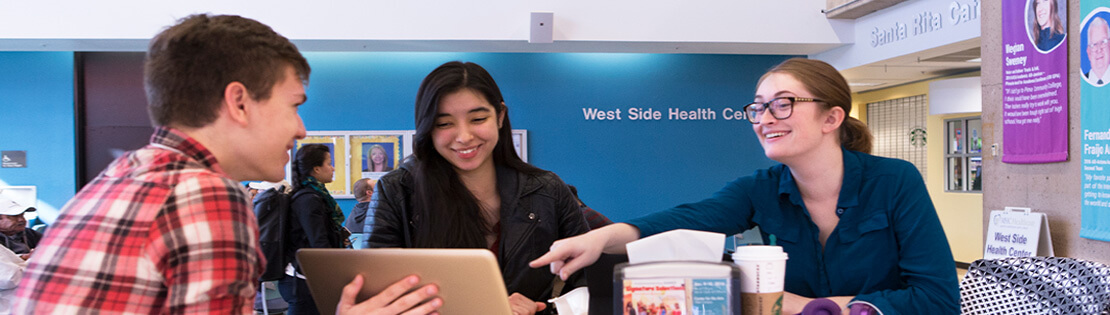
[{"x": 859, "y": 229}]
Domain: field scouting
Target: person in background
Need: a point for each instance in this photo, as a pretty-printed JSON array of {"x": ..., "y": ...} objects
[
  {"x": 13, "y": 229},
  {"x": 594, "y": 219},
  {"x": 12, "y": 265},
  {"x": 251, "y": 191},
  {"x": 11, "y": 272},
  {"x": 1049, "y": 30},
  {"x": 316, "y": 221},
  {"x": 167, "y": 228},
  {"x": 859, "y": 229},
  {"x": 361, "y": 221},
  {"x": 465, "y": 187}
]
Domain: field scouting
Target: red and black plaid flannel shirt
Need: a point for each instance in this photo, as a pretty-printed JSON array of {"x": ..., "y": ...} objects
[{"x": 161, "y": 230}]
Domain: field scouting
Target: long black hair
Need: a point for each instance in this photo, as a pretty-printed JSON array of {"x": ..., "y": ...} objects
[
  {"x": 308, "y": 157},
  {"x": 449, "y": 215}
]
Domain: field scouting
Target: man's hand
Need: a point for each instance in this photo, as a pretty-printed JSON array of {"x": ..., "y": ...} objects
[{"x": 390, "y": 301}]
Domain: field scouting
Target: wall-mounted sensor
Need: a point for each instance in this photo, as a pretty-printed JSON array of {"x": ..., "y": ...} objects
[{"x": 542, "y": 28}]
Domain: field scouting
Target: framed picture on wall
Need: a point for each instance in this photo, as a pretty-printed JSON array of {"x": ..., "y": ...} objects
[
  {"x": 358, "y": 154},
  {"x": 520, "y": 143},
  {"x": 374, "y": 153}
]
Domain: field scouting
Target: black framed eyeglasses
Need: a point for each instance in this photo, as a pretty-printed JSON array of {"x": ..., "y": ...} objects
[{"x": 781, "y": 107}]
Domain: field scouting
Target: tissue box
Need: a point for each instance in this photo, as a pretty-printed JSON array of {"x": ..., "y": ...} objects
[{"x": 690, "y": 287}]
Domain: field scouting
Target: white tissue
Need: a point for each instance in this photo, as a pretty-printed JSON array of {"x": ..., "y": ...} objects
[
  {"x": 677, "y": 245},
  {"x": 575, "y": 302}
]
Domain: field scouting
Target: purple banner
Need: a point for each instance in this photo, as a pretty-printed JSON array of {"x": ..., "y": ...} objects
[{"x": 1034, "y": 81}]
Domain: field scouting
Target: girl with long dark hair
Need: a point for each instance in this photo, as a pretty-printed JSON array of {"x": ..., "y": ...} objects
[
  {"x": 316, "y": 221},
  {"x": 465, "y": 187}
]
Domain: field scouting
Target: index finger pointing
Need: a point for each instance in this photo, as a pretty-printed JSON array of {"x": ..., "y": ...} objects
[{"x": 546, "y": 259}]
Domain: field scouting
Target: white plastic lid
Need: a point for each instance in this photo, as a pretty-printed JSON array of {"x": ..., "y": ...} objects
[{"x": 759, "y": 252}]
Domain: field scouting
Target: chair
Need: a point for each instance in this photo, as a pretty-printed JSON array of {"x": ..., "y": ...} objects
[{"x": 1035, "y": 285}]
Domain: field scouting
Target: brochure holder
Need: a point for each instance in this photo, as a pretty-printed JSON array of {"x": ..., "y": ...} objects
[
  {"x": 1017, "y": 232},
  {"x": 688, "y": 287}
]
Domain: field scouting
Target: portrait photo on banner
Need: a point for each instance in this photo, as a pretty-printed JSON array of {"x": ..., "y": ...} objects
[
  {"x": 1094, "y": 43},
  {"x": 1046, "y": 21},
  {"x": 337, "y": 147}
]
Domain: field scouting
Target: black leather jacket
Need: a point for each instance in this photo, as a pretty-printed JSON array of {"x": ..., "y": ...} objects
[
  {"x": 536, "y": 211},
  {"x": 310, "y": 223}
]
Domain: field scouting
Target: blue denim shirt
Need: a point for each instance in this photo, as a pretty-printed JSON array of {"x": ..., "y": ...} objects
[{"x": 888, "y": 249}]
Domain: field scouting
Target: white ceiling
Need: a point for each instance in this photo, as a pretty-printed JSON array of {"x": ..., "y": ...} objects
[
  {"x": 923, "y": 65},
  {"x": 579, "y": 23}
]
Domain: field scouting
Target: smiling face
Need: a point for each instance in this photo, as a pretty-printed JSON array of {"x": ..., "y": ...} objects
[
  {"x": 1043, "y": 9},
  {"x": 275, "y": 127},
  {"x": 786, "y": 139},
  {"x": 377, "y": 155},
  {"x": 1098, "y": 49},
  {"x": 465, "y": 131}
]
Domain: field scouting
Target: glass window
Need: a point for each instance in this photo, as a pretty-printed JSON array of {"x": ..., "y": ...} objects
[
  {"x": 964, "y": 155},
  {"x": 955, "y": 135},
  {"x": 974, "y": 136}
]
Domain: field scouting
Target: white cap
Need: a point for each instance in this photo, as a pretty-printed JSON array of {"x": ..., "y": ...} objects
[
  {"x": 10, "y": 207},
  {"x": 268, "y": 185}
]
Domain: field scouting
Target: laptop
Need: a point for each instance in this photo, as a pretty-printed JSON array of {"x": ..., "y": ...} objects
[{"x": 469, "y": 280}]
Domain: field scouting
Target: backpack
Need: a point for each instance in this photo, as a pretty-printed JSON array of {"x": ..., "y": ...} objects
[{"x": 271, "y": 207}]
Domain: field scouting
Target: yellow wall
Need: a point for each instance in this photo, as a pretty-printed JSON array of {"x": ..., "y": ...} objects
[{"x": 960, "y": 213}]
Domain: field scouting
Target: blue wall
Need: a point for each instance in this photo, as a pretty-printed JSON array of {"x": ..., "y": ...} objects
[
  {"x": 36, "y": 115},
  {"x": 622, "y": 168}
]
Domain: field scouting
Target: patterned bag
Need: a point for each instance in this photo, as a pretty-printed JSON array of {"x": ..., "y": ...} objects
[{"x": 1035, "y": 285}]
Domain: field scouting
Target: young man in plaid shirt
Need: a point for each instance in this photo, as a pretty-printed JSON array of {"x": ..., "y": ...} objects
[{"x": 168, "y": 228}]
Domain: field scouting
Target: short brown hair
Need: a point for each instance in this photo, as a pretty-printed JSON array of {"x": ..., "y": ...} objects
[
  {"x": 361, "y": 186},
  {"x": 826, "y": 83},
  {"x": 188, "y": 66}
]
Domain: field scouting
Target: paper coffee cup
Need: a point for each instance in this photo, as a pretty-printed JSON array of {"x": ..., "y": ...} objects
[{"x": 762, "y": 273}]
